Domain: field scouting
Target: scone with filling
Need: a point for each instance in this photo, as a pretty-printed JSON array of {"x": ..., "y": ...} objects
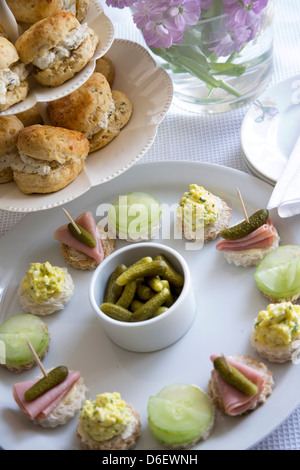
[
  {"x": 49, "y": 158},
  {"x": 57, "y": 47},
  {"x": 201, "y": 215},
  {"x": 28, "y": 12},
  {"x": 276, "y": 332},
  {"x": 93, "y": 109},
  {"x": 45, "y": 289},
  {"x": 10, "y": 126},
  {"x": 108, "y": 423},
  {"x": 13, "y": 76}
]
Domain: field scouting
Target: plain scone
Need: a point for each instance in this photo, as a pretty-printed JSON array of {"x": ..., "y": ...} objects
[
  {"x": 255, "y": 364},
  {"x": 41, "y": 46},
  {"x": 63, "y": 150},
  {"x": 125, "y": 441},
  {"x": 10, "y": 126}
]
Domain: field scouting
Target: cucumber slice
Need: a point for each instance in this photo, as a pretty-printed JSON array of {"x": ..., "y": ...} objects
[
  {"x": 278, "y": 273},
  {"x": 134, "y": 214},
  {"x": 15, "y": 332},
  {"x": 179, "y": 414}
]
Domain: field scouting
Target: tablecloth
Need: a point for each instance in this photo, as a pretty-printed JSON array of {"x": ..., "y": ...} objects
[{"x": 216, "y": 139}]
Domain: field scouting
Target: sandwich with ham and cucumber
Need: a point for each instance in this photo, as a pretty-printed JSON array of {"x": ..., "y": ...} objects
[
  {"x": 246, "y": 243},
  {"x": 85, "y": 244},
  {"x": 239, "y": 384}
]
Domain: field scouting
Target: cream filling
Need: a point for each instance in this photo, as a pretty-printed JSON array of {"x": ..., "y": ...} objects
[
  {"x": 23, "y": 163},
  {"x": 71, "y": 42},
  {"x": 11, "y": 78},
  {"x": 103, "y": 124}
]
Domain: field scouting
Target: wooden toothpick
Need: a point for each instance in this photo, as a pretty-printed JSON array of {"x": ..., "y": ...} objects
[
  {"x": 243, "y": 205},
  {"x": 72, "y": 221},
  {"x": 37, "y": 359}
]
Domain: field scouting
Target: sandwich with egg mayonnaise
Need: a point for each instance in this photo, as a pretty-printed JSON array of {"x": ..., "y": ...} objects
[
  {"x": 93, "y": 109},
  {"x": 28, "y": 12},
  {"x": 13, "y": 76},
  {"x": 57, "y": 47},
  {"x": 49, "y": 158},
  {"x": 10, "y": 127}
]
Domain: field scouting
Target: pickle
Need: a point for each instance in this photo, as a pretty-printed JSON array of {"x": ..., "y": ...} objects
[
  {"x": 127, "y": 294},
  {"x": 242, "y": 229},
  {"x": 113, "y": 290},
  {"x": 138, "y": 270},
  {"x": 85, "y": 237},
  {"x": 155, "y": 283},
  {"x": 233, "y": 377},
  {"x": 171, "y": 274},
  {"x": 149, "y": 308},
  {"x": 144, "y": 292},
  {"x": 116, "y": 312},
  {"x": 160, "y": 310},
  {"x": 55, "y": 377},
  {"x": 135, "y": 305}
]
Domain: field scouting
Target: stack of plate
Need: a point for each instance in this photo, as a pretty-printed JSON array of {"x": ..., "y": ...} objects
[{"x": 270, "y": 129}]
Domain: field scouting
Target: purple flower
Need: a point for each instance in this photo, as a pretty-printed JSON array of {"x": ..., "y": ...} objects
[{"x": 120, "y": 3}]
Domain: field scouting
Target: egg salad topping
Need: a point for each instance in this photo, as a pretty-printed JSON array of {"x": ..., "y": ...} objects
[
  {"x": 279, "y": 324},
  {"x": 42, "y": 280},
  {"x": 106, "y": 417},
  {"x": 197, "y": 207}
]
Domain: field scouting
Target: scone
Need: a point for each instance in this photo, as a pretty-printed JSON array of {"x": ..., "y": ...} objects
[
  {"x": 105, "y": 66},
  {"x": 57, "y": 47},
  {"x": 108, "y": 423},
  {"x": 50, "y": 158},
  {"x": 201, "y": 215},
  {"x": 93, "y": 109},
  {"x": 10, "y": 126},
  {"x": 13, "y": 76},
  {"x": 2, "y": 31},
  {"x": 30, "y": 117},
  {"x": 28, "y": 12}
]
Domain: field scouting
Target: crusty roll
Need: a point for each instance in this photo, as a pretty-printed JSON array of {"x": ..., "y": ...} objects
[
  {"x": 10, "y": 127},
  {"x": 50, "y": 158},
  {"x": 28, "y": 12},
  {"x": 58, "y": 47},
  {"x": 14, "y": 76}
]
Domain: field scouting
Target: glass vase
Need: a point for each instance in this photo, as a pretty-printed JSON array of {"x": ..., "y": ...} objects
[{"x": 206, "y": 81}]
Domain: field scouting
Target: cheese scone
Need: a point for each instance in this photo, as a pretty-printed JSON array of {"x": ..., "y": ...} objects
[
  {"x": 10, "y": 127},
  {"x": 28, "y": 12},
  {"x": 57, "y": 47},
  {"x": 49, "y": 158},
  {"x": 13, "y": 76}
]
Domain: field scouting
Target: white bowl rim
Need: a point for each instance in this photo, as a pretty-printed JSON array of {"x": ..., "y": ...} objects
[{"x": 144, "y": 323}]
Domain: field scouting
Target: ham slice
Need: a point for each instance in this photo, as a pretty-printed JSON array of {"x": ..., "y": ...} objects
[
  {"x": 44, "y": 404},
  {"x": 87, "y": 221},
  {"x": 236, "y": 402},
  {"x": 262, "y": 237}
]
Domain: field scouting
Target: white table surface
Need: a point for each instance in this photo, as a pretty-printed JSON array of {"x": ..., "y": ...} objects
[{"x": 216, "y": 139}]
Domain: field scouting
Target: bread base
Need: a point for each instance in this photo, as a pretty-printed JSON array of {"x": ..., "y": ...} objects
[{"x": 277, "y": 354}]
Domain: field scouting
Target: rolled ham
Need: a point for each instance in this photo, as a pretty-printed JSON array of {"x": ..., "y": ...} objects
[
  {"x": 262, "y": 237},
  {"x": 236, "y": 402},
  {"x": 43, "y": 405},
  {"x": 88, "y": 222}
]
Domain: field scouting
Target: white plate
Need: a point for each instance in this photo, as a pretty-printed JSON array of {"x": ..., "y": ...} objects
[
  {"x": 227, "y": 298},
  {"x": 150, "y": 90},
  {"x": 104, "y": 29},
  {"x": 270, "y": 129}
]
